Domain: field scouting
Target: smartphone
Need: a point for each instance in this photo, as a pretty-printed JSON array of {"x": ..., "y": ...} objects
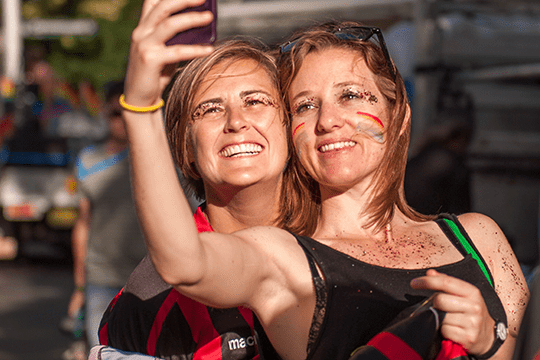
[{"x": 201, "y": 35}]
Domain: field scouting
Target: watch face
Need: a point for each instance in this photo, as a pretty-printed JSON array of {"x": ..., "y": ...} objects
[{"x": 500, "y": 331}]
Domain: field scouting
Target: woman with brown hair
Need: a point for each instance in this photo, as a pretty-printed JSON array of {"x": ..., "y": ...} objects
[
  {"x": 350, "y": 132},
  {"x": 149, "y": 316}
]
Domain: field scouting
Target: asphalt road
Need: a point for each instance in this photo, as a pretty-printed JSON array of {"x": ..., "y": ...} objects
[{"x": 33, "y": 298}]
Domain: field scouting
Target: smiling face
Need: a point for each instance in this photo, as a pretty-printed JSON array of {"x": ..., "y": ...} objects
[
  {"x": 237, "y": 133},
  {"x": 339, "y": 118}
]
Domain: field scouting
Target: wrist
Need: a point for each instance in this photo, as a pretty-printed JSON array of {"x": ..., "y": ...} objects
[
  {"x": 140, "y": 109},
  {"x": 80, "y": 288},
  {"x": 501, "y": 333}
]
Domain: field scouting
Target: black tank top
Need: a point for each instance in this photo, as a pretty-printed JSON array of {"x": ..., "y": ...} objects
[{"x": 359, "y": 300}]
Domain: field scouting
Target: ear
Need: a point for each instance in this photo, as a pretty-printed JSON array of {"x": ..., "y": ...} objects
[{"x": 407, "y": 120}]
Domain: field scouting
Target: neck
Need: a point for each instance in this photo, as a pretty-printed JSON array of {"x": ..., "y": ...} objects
[
  {"x": 234, "y": 209},
  {"x": 343, "y": 213}
]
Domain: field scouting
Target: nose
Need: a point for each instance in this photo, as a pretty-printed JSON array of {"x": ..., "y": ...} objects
[
  {"x": 236, "y": 121},
  {"x": 329, "y": 119}
]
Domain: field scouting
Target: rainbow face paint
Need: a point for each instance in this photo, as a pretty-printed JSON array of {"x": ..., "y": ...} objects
[
  {"x": 371, "y": 125},
  {"x": 299, "y": 127}
]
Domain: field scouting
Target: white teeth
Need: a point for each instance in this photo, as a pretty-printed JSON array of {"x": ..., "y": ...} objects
[
  {"x": 335, "y": 146},
  {"x": 241, "y": 150}
]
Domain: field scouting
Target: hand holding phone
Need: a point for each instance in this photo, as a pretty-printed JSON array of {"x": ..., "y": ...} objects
[{"x": 201, "y": 35}]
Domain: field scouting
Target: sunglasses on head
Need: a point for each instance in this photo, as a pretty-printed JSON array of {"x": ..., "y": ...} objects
[{"x": 362, "y": 33}]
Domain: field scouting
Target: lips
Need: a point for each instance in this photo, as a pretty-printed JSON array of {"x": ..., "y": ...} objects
[
  {"x": 336, "y": 146},
  {"x": 244, "y": 149}
]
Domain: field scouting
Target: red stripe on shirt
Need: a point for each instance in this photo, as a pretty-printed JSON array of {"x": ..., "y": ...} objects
[
  {"x": 164, "y": 310},
  {"x": 103, "y": 333},
  {"x": 208, "y": 340},
  {"x": 393, "y": 347}
]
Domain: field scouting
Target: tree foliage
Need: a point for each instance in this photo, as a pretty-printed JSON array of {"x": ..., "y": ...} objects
[{"x": 99, "y": 58}]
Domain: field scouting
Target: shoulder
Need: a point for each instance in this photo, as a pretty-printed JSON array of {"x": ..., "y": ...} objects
[
  {"x": 88, "y": 154},
  {"x": 268, "y": 238},
  {"x": 488, "y": 238},
  {"x": 482, "y": 229},
  {"x": 278, "y": 251}
]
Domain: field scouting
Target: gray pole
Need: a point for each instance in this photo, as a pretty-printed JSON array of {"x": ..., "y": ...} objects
[
  {"x": 13, "y": 51},
  {"x": 13, "y": 40}
]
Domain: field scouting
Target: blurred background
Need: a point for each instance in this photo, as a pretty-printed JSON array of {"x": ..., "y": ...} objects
[{"x": 472, "y": 70}]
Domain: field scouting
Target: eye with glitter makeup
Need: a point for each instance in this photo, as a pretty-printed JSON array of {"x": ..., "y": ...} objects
[
  {"x": 303, "y": 106},
  {"x": 205, "y": 109},
  {"x": 350, "y": 94},
  {"x": 259, "y": 99}
]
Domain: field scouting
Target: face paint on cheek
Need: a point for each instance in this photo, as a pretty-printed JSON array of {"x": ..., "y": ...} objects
[
  {"x": 371, "y": 125},
  {"x": 301, "y": 141},
  {"x": 299, "y": 127}
]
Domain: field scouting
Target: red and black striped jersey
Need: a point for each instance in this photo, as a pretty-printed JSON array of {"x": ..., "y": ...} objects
[{"x": 150, "y": 317}]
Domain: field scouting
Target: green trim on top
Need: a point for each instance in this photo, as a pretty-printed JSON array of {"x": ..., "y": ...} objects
[{"x": 469, "y": 249}]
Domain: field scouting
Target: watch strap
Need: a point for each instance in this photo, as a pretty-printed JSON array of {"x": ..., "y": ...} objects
[{"x": 501, "y": 333}]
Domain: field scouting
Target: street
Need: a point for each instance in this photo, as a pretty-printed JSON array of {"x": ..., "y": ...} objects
[{"x": 33, "y": 298}]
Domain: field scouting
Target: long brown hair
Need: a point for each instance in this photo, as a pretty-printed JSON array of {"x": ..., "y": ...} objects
[
  {"x": 178, "y": 121},
  {"x": 389, "y": 178}
]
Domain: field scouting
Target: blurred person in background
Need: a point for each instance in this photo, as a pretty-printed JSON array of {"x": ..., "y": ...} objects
[{"x": 107, "y": 242}]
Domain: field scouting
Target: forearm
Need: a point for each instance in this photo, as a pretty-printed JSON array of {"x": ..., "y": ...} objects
[
  {"x": 163, "y": 210},
  {"x": 79, "y": 240}
]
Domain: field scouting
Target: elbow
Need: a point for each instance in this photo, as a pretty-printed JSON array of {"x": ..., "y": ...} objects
[{"x": 178, "y": 276}]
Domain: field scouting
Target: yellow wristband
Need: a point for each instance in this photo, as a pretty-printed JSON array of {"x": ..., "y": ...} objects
[{"x": 140, "y": 109}]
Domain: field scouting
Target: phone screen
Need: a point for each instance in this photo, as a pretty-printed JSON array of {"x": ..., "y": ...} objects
[{"x": 201, "y": 35}]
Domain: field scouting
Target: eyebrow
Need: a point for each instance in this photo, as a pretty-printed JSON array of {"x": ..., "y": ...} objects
[
  {"x": 250, "y": 92},
  {"x": 299, "y": 95},
  {"x": 242, "y": 95},
  {"x": 335, "y": 86},
  {"x": 209, "y": 101}
]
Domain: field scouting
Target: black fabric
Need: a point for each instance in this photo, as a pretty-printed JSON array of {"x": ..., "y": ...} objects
[
  {"x": 363, "y": 298},
  {"x": 418, "y": 336},
  {"x": 455, "y": 241}
]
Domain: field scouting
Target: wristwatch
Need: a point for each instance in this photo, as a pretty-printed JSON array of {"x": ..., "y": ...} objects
[{"x": 501, "y": 333}]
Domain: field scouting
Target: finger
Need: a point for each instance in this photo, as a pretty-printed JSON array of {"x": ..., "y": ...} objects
[
  {"x": 164, "y": 9},
  {"x": 176, "y": 53},
  {"x": 457, "y": 304},
  {"x": 474, "y": 341},
  {"x": 444, "y": 283},
  {"x": 457, "y": 334},
  {"x": 148, "y": 5}
]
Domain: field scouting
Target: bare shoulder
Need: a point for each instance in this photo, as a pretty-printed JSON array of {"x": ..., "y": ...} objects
[
  {"x": 277, "y": 246},
  {"x": 484, "y": 231},
  {"x": 489, "y": 239},
  {"x": 267, "y": 237}
]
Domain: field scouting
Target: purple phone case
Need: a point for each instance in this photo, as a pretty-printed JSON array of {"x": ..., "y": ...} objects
[{"x": 201, "y": 35}]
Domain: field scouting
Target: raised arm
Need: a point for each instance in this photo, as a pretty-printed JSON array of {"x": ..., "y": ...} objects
[
  {"x": 180, "y": 255},
  {"x": 217, "y": 269}
]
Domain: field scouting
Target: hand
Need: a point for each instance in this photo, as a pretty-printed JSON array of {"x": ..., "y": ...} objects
[
  {"x": 76, "y": 302},
  {"x": 152, "y": 63},
  {"x": 467, "y": 321}
]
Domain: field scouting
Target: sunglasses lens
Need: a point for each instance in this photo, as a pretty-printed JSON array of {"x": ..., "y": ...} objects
[{"x": 360, "y": 33}]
